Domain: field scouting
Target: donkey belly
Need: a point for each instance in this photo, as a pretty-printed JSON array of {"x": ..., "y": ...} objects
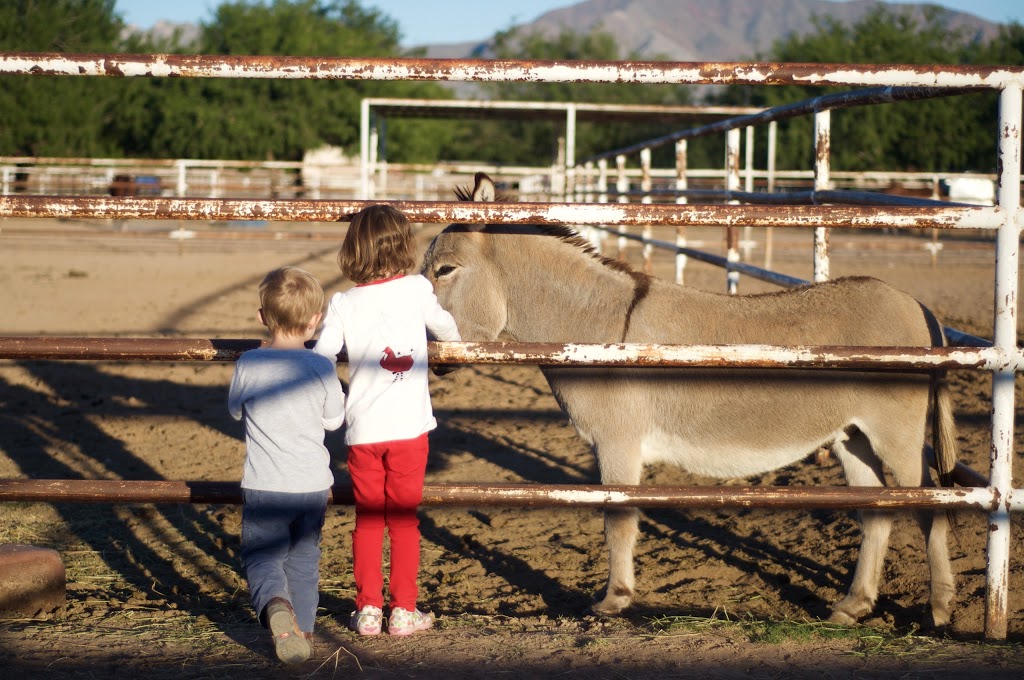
[
  {"x": 731, "y": 425},
  {"x": 710, "y": 459}
]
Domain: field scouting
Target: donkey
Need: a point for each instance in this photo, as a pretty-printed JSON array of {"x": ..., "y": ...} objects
[{"x": 546, "y": 284}]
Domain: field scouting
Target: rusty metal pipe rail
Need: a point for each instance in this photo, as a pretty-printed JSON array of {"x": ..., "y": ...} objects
[
  {"x": 528, "y": 495},
  {"x": 221, "y": 209},
  {"x": 638, "y": 355},
  {"x": 504, "y": 70}
]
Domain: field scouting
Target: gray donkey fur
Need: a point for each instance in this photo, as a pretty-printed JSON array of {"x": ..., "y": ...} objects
[{"x": 545, "y": 284}]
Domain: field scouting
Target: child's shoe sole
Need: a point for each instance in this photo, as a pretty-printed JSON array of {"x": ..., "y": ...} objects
[{"x": 290, "y": 645}]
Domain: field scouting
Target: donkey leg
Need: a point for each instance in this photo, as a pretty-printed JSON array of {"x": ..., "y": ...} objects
[
  {"x": 935, "y": 527},
  {"x": 620, "y": 528},
  {"x": 862, "y": 468}
]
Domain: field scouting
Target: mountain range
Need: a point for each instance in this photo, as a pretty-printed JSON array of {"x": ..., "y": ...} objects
[
  {"x": 706, "y": 30},
  {"x": 680, "y": 30}
]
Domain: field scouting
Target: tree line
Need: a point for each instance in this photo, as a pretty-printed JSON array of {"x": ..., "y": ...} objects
[{"x": 256, "y": 119}]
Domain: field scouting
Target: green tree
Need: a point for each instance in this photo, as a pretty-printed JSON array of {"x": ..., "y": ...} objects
[
  {"x": 56, "y": 115},
  {"x": 934, "y": 134},
  {"x": 281, "y": 119},
  {"x": 937, "y": 134},
  {"x": 533, "y": 142}
]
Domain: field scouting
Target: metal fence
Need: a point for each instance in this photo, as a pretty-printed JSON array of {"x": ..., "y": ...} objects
[{"x": 1003, "y": 358}]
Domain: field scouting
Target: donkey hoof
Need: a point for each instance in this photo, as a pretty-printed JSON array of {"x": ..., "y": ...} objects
[
  {"x": 612, "y": 605},
  {"x": 842, "y": 618},
  {"x": 935, "y": 622},
  {"x": 849, "y": 611}
]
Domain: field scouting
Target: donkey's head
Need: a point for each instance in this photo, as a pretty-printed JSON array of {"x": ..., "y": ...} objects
[{"x": 460, "y": 263}]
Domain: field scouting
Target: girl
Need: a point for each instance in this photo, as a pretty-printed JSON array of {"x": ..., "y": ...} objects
[{"x": 382, "y": 322}]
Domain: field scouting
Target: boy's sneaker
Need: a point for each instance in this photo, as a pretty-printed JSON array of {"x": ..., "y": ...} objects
[
  {"x": 367, "y": 621},
  {"x": 290, "y": 644},
  {"x": 405, "y": 622}
]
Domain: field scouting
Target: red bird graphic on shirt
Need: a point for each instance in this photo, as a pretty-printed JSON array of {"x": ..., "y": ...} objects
[{"x": 396, "y": 364}]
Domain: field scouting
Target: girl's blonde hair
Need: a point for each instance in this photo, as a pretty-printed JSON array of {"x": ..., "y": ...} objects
[
  {"x": 378, "y": 245},
  {"x": 289, "y": 297}
]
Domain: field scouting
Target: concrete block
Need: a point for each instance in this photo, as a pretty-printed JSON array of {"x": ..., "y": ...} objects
[{"x": 32, "y": 580}]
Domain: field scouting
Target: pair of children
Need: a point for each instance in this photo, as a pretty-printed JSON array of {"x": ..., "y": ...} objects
[{"x": 289, "y": 396}]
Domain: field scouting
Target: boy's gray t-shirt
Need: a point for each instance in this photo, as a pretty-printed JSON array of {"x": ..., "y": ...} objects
[{"x": 288, "y": 397}]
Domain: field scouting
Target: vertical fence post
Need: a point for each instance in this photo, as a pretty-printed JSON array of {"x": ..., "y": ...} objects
[
  {"x": 182, "y": 187},
  {"x": 569, "y": 167},
  {"x": 1004, "y": 339},
  {"x": 681, "y": 185},
  {"x": 732, "y": 183},
  {"x": 377, "y": 176},
  {"x": 364, "y": 149},
  {"x": 621, "y": 186},
  {"x": 602, "y": 197},
  {"x": 773, "y": 133},
  {"x": 645, "y": 187},
  {"x": 822, "y": 182},
  {"x": 747, "y": 244}
]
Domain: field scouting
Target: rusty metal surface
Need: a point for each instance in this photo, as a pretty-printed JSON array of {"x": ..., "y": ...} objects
[
  {"x": 214, "y": 209},
  {"x": 522, "y": 495},
  {"x": 540, "y": 354},
  {"x": 517, "y": 70},
  {"x": 176, "y": 234},
  {"x": 123, "y": 349}
]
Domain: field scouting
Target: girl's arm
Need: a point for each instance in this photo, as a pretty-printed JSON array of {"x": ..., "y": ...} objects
[
  {"x": 334, "y": 404},
  {"x": 332, "y": 337},
  {"x": 439, "y": 322}
]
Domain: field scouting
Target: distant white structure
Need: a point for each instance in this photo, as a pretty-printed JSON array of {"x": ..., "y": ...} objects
[
  {"x": 328, "y": 169},
  {"x": 973, "y": 190}
]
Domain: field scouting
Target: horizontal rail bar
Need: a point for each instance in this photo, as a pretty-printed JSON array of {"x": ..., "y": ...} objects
[
  {"x": 177, "y": 234},
  {"x": 531, "y": 495},
  {"x": 542, "y": 354},
  {"x": 503, "y": 70},
  {"x": 839, "y": 100},
  {"x": 220, "y": 209}
]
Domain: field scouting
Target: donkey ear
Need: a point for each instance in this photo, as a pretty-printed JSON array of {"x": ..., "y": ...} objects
[{"x": 484, "y": 189}]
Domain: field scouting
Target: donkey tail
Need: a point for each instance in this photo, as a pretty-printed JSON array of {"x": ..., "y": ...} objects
[
  {"x": 944, "y": 444},
  {"x": 944, "y": 432}
]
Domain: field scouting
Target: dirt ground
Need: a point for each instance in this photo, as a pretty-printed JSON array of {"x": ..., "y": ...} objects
[{"x": 154, "y": 590}]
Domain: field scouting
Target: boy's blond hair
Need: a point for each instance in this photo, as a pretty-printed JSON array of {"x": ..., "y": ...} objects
[
  {"x": 377, "y": 245},
  {"x": 289, "y": 297}
]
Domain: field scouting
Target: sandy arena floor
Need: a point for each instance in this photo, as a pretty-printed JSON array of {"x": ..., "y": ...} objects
[{"x": 155, "y": 589}]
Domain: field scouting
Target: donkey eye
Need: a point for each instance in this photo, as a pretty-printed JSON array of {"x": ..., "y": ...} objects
[{"x": 444, "y": 270}]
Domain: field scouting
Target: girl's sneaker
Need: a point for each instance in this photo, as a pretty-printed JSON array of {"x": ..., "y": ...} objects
[
  {"x": 405, "y": 622},
  {"x": 367, "y": 621}
]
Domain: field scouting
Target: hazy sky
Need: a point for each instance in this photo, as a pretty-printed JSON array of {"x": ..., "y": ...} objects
[{"x": 452, "y": 21}]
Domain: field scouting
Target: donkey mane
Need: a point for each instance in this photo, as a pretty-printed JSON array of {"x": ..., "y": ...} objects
[{"x": 565, "y": 234}]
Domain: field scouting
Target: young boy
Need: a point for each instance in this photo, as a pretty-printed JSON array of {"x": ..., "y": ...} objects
[{"x": 288, "y": 396}]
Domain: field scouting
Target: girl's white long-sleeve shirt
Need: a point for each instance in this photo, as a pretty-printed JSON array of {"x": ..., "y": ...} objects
[{"x": 383, "y": 327}]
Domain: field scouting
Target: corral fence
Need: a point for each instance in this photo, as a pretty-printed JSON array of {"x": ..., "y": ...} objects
[{"x": 994, "y": 495}]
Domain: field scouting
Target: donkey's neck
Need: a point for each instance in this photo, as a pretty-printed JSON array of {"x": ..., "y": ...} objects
[{"x": 559, "y": 292}]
